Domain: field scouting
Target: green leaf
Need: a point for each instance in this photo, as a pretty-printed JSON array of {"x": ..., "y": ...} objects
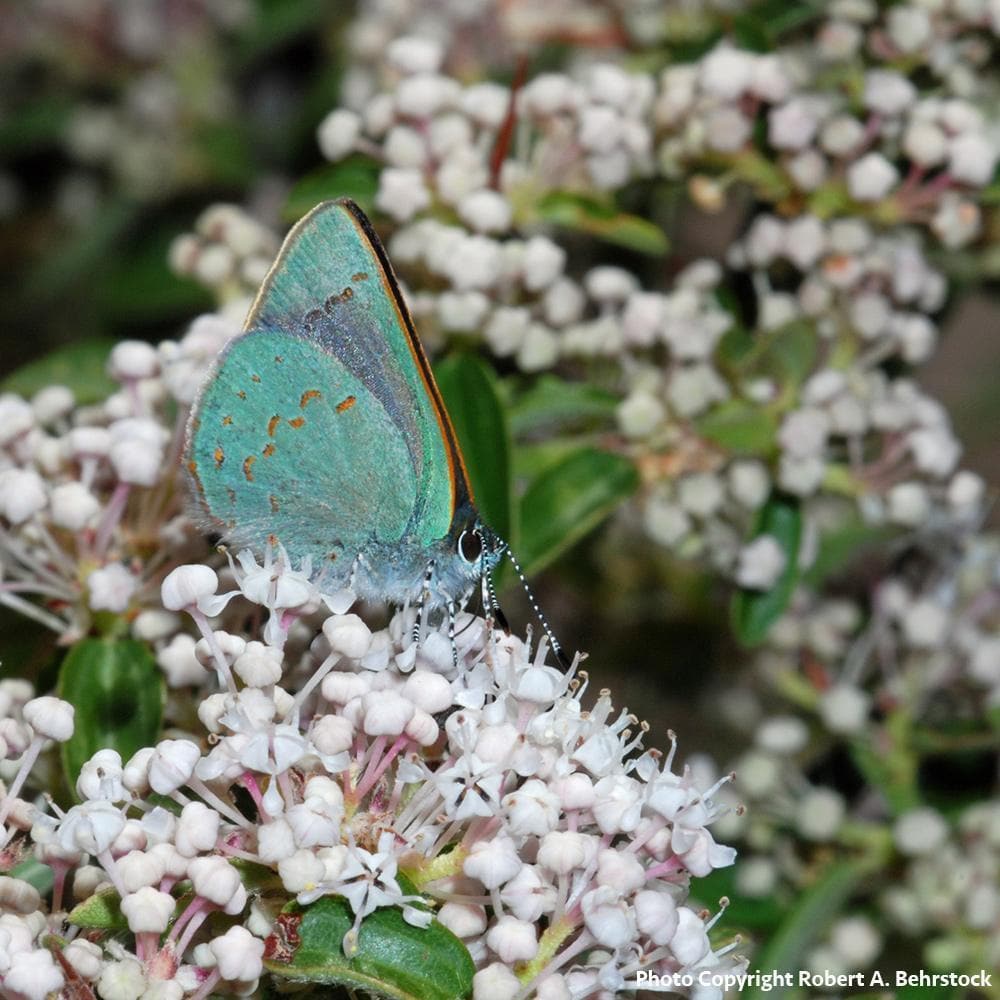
[
  {"x": 601, "y": 218},
  {"x": 394, "y": 959},
  {"x": 37, "y": 123},
  {"x": 552, "y": 402},
  {"x": 531, "y": 460},
  {"x": 35, "y": 873},
  {"x": 569, "y": 500},
  {"x": 845, "y": 547},
  {"x": 739, "y": 428},
  {"x": 470, "y": 394},
  {"x": 805, "y": 923},
  {"x": 102, "y": 911},
  {"x": 275, "y": 23},
  {"x": 355, "y": 177},
  {"x": 788, "y": 354},
  {"x": 754, "y": 611},
  {"x": 117, "y": 690},
  {"x": 81, "y": 366}
]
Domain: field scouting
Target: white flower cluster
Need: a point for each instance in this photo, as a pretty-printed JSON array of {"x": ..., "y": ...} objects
[
  {"x": 949, "y": 890},
  {"x": 551, "y": 842},
  {"x": 229, "y": 252},
  {"x": 85, "y": 490},
  {"x": 895, "y": 154}
]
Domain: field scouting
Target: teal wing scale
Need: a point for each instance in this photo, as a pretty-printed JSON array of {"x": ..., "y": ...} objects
[{"x": 321, "y": 427}]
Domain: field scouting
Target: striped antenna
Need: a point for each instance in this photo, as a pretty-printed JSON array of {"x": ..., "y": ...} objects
[{"x": 553, "y": 641}]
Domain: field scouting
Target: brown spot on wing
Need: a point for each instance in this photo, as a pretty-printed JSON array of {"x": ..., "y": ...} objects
[
  {"x": 278, "y": 359},
  {"x": 275, "y": 506},
  {"x": 307, "y": 395},
  {"x": 248, "y": 467},
  {"x": 272, "y": 425},
  {"x": 220, "y": 457},
  {"x": 227, "y": 421},
  {"x": 232, "y": 494},
  {"x": 255, "y": 378},
  {"x": 272, "y": 539},
  {"x": 242, "y": 394},
  {"x": 359, "y": 276},
  {"x": 297, "y": 422},
  {"x": 193, "y": 467},
  {"x": 346, "y": 404},
  {"x": 268, "y": 450},
  {"x": 334, "y": 300}
]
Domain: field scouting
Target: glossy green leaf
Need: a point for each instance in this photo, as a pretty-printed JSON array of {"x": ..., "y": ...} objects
[
  {"x": 531, "y": 460},
  {"x": 470, "y": 394},
  {"x": 786, "y": 950},
  {"x": 602, "y": 219},
  {"x": 755, "y": 611},
  {"x": 394, "y": 959},
  {"x": 82, "y": 366},
  {"x": 354, "y": 177},
  {"x": 569, "y": 500},
  {"x": 117, "y": 690},
  {"x": 739, "y": 428},
  {"x": 554, "y": 403},
  {"x": 101, "y": 911}
]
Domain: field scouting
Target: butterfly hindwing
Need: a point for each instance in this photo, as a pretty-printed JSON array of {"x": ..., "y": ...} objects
[{"x": 277, "y": 454}]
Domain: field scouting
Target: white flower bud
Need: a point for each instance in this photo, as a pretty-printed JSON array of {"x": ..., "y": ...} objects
[
  {"x": 844, "y": 708},
  {"x": 50, "y": 717},
  {"x": 86, "y": 958},
  {"x": 543, "y": 263},
  {"x": 386, "y": 713},
  {"x": 18, "y": 896},
  {"x": 16, "y": 418},
  {"x": 925, "y": 143},
  {"x": 401, "y": 193},
  {"x": 133, "y": 359},
  {"x": 197, "y": 829},
  {"x": 494, "y": 982},
  {"x": 347, "y": 635},
  {"x": 726, "y": 72},
  {"x": 22, "y": 494},
  {"x": 871, "y": 178},
  {"x": 920, "y": 832},
  {"x": 217, "y": 881},
  {"x": 563, "y": 302},
  {"x": 148, "y": 910},
  {"x": 186, "y": 585},
  {"x": 761, "y": 563},
  {"x": 608, "y": 917},
  {"x": 172, "y": 764},
  {"x": 793, "y": 124},
  {"x": 909, "y": 27},
  {"x": 51, "y": 404},
  {"x": 238, "y": 955},
  {"x": 464, "y": 920},
  {"x": 332, "y": 734},
  {"x": 301, "y": 872},
  {"x": 512, "y": 940},
  {"x": 33, "y": 975},
  {"x": 640, "y": 414},
  {"x": 965, "y": 492},
  {"x": 111, "y": 588},
  {"x": 539, "y": 350},
  {"x": 909, "y": 504},
  {"x": 656, "y": 915},
  {"x": 493, "y": 861},
  {"x": 888, "y": 92},
  {"x": 749, "y": 483},
  {"x": 819, "y": 813},
  {"x": 73, "y": 506},
  {"x": 972, "y": 158},
  {"x": 337, "y": 133},
  {"x": 413, "y": 54}
]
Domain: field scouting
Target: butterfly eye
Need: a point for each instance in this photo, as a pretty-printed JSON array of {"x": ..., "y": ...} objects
[{"x": 470, "y": 546}]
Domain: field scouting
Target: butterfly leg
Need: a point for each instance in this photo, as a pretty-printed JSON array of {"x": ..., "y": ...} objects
[
  {"x": 425, "y": 593},
  {"x": 451, "y": 634}
]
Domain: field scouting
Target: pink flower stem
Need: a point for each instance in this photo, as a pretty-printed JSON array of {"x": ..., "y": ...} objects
[
  {"x": 370, "y": 779},
  {"x": 112, "y": 517}
]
